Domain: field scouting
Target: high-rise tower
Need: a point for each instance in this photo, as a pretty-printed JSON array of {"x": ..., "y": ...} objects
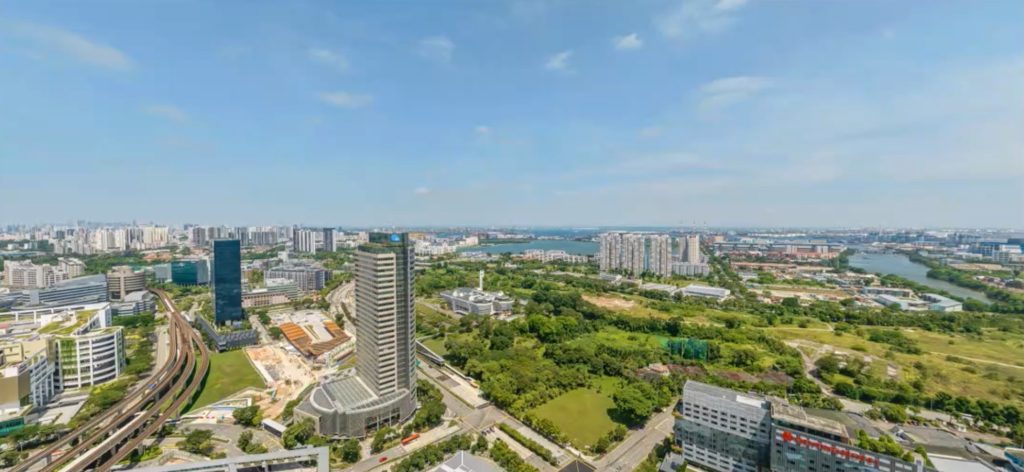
[
  {"x": 227, "y": 280},
  {"x": 381, "y": 390},
  {"x": 384, "y": 313}
]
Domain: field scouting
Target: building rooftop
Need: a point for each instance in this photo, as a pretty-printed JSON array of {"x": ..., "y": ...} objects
[
  {"x": 753, "y": 400},
  {"x": 476, "y": 296},
  {"x": 705, "y": 290},
  {"x": 348, "y": 393},
  {"x": 463, "y": 461},
  {"x": 795, "y": 415}
]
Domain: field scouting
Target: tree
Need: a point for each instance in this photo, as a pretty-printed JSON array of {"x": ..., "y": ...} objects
[
  {"x": 198, "y": 441},
  {"x": 350, "y": 451},
  {"x": 275, "y": 332},
  {"x": 633, "y": 404},
  {"x": 246, "y": 443},
  {"x": 481, "y": 445},
  {"x": 744, "y": 357},
  {"x": 248, "y": 416},
  {"x": 381, "y": 438},
  {"x": 298, "y": 433}
]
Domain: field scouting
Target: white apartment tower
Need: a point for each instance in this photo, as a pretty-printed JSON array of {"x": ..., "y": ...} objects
[
  {"x": 634, "y": 252},
  {"x": 304, "y": 240},
  {"x": 692, "y": 254},
  {"x": 660, "y": 257}
]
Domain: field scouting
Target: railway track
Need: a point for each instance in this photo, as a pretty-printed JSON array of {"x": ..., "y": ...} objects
[
  {"x": 203, "y": 365},
  {"x": 131, "y": 415},
  {"x": 98, "y": 425}
]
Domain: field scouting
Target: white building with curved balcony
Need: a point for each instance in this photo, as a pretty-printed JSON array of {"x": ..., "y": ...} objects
[{"x": 89, "y": 350}]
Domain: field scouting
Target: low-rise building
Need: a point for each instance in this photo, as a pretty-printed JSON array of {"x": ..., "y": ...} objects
[
  {"x": 892, "y": 291},
  {"x": 135, "y": 303},
  {"x": 308, "y": 278},
  {"x": 274, "y": 292},
  {"x": 705, "y": 292},
  {"x": 691, "y": 269},
  {"x": 939, "y": 303},
  {"x": 88, "y": 289},
  {"x": 477, "y": 302},
  {"x": 26, "y": 376}
]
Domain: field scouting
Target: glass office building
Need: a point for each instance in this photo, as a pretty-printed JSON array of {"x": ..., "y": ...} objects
[{"x": 227, "y": 281}]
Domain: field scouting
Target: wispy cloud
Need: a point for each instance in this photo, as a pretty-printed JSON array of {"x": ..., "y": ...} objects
[
  {"x": 421, "y": 191},
  {"x": 70, "y": 44},
  {"x": 436, "y": 48},
  {"x": 726, "y": 92},
  {"x": 628, "y": 42},
  {"x": 329, "y": 58},
  {"x": 482, "y": 130},
  {"x": 559, "y": 62},
  {"x": 345, "y": 99},
  {"x": 169, "y": 112},
  {"x": 692, "y": 18}
]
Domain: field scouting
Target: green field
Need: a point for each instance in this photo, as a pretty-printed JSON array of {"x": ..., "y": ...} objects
[
  {"x": 582, "y": 414},
  {"x": 229, "y": 373},
  {"x": 982, "y": 378}
]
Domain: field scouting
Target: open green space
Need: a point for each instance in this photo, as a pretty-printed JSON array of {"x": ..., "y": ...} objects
[
  {"x": 436, "y": 345},
  {"x": 229, "y": 373},
  {"x": 942, "y": 366},
  {"x": 583, "y": 414}
]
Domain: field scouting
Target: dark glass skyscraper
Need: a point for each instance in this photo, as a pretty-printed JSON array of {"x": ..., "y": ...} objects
[{"x": 227, "y": 280}]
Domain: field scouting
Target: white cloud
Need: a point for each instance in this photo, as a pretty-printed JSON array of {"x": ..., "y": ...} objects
[
  {"x": 421, "y": 191},
  {"x": 559, "y": 62},
  {"x": 169, "y": 112},
  {"x": 329, "y": 58},
  {"x": 436, "y": 48},
  {"x": 627, "y": 42},
  {"x": 692, "y": 18},
  {"x": 345, "y": 99},
  {"x": 723, "y": 93},
  {"x": 482, "y": 130},
  {"x": 72, "y": 45}
]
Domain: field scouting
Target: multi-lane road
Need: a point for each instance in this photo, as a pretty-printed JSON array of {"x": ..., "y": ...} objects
[{"x": 113, "y": 434}]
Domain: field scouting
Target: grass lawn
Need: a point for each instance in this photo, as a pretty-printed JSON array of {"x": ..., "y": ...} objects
[
  {"x": 582, "y": 414},
  {"x": 436, "y": 345},
  {"x": 229, "y": 372}
]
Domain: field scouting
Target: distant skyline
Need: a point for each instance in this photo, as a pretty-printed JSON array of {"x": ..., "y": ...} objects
[{"x": 523, "y": 113}]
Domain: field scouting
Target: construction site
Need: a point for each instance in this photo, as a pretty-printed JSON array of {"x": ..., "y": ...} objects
[{"x": 314, "y": 335}]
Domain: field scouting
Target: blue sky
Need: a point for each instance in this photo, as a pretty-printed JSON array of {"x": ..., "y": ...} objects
[{"x": 724, "y": 112}]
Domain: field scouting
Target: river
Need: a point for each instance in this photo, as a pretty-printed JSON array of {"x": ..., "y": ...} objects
[
  {"x": 586, "y": 248},
  {"x": 898, "y": 264}
]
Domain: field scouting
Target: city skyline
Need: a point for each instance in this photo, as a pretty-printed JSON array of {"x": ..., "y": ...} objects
[{"x": 729, "y": 113}]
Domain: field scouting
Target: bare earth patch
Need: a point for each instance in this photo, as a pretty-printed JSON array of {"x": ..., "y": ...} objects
[{"x": 611, "y": 303}]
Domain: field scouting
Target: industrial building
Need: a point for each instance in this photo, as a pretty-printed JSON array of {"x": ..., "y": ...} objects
[{"x": 381, "y": 390}]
